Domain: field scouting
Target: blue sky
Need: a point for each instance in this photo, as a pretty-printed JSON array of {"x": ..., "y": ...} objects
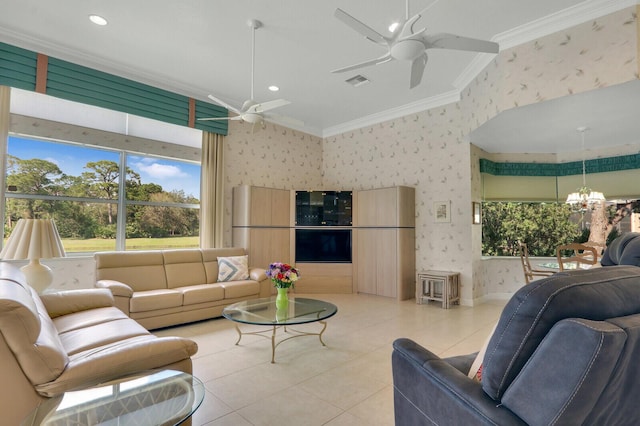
[{"x": 71, "y": 159}]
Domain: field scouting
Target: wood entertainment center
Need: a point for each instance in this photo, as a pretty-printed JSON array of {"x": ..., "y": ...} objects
[{"x": 342, "y": 241}]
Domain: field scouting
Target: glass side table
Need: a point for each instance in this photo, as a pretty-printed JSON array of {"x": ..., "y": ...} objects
[{"x": 163, "y": 397}]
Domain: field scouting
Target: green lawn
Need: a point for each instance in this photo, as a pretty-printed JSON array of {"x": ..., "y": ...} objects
[{"x": 98, "y": 244}]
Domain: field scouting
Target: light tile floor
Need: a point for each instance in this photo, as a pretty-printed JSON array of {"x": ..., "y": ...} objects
[{"x": 348, "y": 382}]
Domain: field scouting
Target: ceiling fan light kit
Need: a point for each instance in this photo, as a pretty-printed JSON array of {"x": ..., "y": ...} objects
[
  {"x": 410, "y": 45},
  {"x": 251, "y": 111}
]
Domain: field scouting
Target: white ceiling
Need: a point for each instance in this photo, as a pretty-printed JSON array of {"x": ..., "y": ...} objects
[{"x": 197, "y": 47}]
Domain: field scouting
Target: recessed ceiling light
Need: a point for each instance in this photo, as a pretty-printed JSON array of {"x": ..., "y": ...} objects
[
  {"x": 393, "y": 26},
  {"x": 98, "y": 20},
  {"x": 274, "y": 88}
]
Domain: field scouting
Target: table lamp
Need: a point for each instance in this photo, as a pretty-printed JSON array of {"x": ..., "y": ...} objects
[{"x": 34, "y": 239}]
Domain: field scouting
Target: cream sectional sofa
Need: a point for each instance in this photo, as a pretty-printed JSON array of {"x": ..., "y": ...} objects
[
  {"x": 70, "y": 340},
  {"x": 160, "y": 288}
]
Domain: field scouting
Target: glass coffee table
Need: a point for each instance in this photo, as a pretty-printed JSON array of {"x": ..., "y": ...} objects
[
  {"x": 162, "y": 397},
  {"x": 264, "y": 312}
]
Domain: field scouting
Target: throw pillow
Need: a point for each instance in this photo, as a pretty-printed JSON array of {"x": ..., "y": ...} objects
[
  {"x": 475, "y": 372},
  {"x": 233, "y": 268}
]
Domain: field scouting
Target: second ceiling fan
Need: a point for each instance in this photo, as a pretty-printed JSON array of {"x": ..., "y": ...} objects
[
  {"x": 251, "y": 111},
  {"x": 406, "y": 44}
]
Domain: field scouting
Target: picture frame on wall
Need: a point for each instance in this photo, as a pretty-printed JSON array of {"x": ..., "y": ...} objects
[
  {"x": 476, "y": 211},
  {"x": 442, "y": 211}
]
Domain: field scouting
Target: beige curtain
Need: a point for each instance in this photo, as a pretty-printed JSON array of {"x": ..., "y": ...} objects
[
  {"x": 5, "y": 94},
  {"x": 212, "y": 191}
]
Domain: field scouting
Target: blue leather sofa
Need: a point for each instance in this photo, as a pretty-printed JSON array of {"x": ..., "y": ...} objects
[{"x": 565, "y": 351}]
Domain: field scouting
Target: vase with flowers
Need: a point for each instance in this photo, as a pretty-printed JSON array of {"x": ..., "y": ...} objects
[{"x": 283, "y": 276}]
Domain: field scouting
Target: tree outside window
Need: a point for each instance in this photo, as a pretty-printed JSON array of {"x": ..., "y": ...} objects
[{"x": 544, "y": 226}]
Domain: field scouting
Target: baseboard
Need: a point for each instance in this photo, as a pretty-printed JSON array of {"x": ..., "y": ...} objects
[{"x": 486, "y": 298}]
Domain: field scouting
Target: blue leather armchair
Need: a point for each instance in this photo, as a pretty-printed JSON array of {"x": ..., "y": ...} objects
[{"x": 565, "y": 351}]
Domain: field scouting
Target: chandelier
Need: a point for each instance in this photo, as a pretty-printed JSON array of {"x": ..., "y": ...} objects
[{"x": 584, "y": 198}]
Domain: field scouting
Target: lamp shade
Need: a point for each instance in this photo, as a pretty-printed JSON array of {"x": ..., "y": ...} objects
[{"x": 33, "y": 239}]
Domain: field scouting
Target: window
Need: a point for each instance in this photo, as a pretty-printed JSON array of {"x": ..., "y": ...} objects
[
  {"x": 80, "y": 187},
  {"x": 544, "y": 226}
]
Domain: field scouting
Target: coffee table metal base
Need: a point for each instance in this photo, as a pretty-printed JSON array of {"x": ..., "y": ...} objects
[{"x": 293, "y": 334}]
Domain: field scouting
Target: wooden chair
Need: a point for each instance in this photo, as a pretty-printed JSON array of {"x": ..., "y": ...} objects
[
  {"x": 529, "y": 272},
  {"x": 580, "y": 254},
  {"x": 599, "y": 247}
]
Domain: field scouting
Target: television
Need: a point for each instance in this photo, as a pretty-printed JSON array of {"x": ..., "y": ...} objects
[{"x": 323, "y": 245}]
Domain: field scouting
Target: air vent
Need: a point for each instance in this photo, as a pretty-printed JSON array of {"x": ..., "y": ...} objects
[{"x": 358, "y": 80}]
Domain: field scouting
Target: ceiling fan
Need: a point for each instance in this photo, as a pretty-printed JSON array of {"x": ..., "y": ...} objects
[
  {"x": 252, "y": 111},
  {"x": 408, "y": 45}
]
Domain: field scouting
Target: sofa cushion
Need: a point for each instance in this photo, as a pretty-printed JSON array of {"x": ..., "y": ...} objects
[
  {"x": 184, "y": 267},
  {"x": 234, "y": 289},
  {"x": 210, "y": 260},
  {"x": 87, "y": 318},
  {"x": 618, "y": 247},
  {"x": 201, "y": 293},
  {"x": 595, "y": 294},
  {"x": 101, "y": 334},
  {"x": 233, "y": 268},
  {"x": 70, "y": 301},
  {"x": 556, "y": 389},
  {"x": 155, "y": 299},
  {"x": 618, "y": 405},
  {"x": 141, "y": 270},
  {"x": 119, "y": 359},
  {"x": 30, "y": 333}
]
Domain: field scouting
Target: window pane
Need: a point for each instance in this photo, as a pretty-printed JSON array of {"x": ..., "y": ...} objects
[
  {"x": 153, "y": 227},
  {"x": 178, "y": 181},
  {"x": 51, "y": 168},
  {"x": 83, "y": 227}
]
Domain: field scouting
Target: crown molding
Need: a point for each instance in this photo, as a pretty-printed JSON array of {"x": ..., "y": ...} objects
[
  {"x": 559, "y": 21},
  {"x": 475, "y": 67},
  {"x": 390, "y": 114},
  {"x": 312, "y": 131}
]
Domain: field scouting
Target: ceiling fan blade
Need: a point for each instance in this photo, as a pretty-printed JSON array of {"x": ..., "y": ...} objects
[
  {"x": 407, "y": 28},
  {"x": 377, "y": 61},
  {"x": 234, "y": 118},
  {"x": 360, "y": 27},
  {"x": 224, "y": 104},
  {"x": 452, "y": 41},
  {"x": 285, "y": 120},
  {"x": 266, "y": 106},
  {"x": 417, "y": 70}
]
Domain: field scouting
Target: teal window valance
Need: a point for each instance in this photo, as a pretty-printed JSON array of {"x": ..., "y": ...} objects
[
  {"x": 615, "y": 176},
  {"x": 598, "y": 165},
  {"x": 65, "y": 80},
  {"x": 17, "y": 67}
]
